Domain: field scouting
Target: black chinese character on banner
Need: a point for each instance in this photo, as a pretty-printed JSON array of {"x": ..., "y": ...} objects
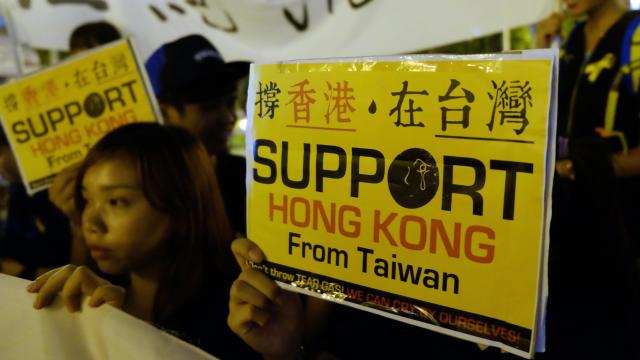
[
  {"x": 96, "y": 4},
  {"x": 466, "y": 109},
  {"x": 511, "y": 103},
  {"x": 100, "y": 71},
  {"x": 229, "y": 27},
  {"x": 302, "y": 24},
  {"x": 80, "y": 78},
  {"x": 119, "y": 64},
  {"x": 267, "y": 100},
  {"x": 398, "y": 110},
  {"x": 11, "y": 102}
]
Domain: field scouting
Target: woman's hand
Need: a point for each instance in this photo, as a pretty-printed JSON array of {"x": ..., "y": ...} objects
[
  {"x": 564, "y": 168},
  {"x": 73, "y": 283},
  {"x": 267, "y": 318},
  {"x": 625, "y": 165},
  {"x": 547, "y": 30},
  {"x": 62, "y": 195},
  {"x": 62, "y": 192}
]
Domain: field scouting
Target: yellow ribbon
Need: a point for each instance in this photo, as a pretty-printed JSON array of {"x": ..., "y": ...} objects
[{"x": 593, "y": 70}]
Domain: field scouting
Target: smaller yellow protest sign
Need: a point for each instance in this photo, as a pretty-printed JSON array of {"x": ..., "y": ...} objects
[{"x": 52, "y": 118}]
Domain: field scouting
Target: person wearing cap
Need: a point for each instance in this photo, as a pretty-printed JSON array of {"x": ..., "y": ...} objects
[{"x": 196, "y": 90}]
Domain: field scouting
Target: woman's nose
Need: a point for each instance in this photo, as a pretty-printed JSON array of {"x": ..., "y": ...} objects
[{"x": 92, "y": 220}]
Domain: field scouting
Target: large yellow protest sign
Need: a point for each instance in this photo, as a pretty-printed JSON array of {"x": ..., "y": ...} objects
[
  {"x": 53, "y": 117},
  {"x": 416, "y": 187}
]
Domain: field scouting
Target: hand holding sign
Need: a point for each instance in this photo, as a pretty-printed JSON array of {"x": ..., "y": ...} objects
[
  {"x": 264, "y": 316},
  {"x": 548, "y": 29},
  {"x": 61, "y": 192},
  {"x": 564, "y": 168}
]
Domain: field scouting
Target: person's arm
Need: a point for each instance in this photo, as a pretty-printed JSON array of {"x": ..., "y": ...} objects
[
  {"x": 628, "y": 164},
  {"x": 547, "y": 30},
  {"x": 264, "y": 316}
]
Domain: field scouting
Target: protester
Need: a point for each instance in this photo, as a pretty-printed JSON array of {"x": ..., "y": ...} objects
[
  {"x": 593, "y": 282},
  {"x": 36, "y": 236},
  {"x": 152, "y": 212},
  {"x": 197, "y": 91},
  {"x": 90, "y": 35}
]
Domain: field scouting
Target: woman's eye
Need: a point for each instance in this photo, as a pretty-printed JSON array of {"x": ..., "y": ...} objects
[{"x": 118, "y": 202}]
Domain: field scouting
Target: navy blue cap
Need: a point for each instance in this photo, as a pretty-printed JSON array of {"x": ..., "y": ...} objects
[{"x": 192, "y": 70}]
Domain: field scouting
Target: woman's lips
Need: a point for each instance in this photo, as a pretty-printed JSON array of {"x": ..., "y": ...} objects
[{"x": 98, "y": 252}]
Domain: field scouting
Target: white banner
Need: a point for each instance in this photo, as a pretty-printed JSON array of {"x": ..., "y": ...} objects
[
  {"x": 272, "y": 30},
  {"x": 95, "y": 333}
]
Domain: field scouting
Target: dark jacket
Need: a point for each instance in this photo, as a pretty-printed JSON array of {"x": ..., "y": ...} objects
[
  {"x": 36, "y": 233},
  {"x": 593, "y": 280}
]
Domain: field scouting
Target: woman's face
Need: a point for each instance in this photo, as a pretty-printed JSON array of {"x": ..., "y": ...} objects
[
  {"x": 123, "y": 232},
  {"x": 212, "y": 122},
  {"x": 577, "y": 8}
]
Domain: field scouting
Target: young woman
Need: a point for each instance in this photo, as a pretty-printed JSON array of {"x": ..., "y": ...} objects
[{"x": 151, "y": 213}]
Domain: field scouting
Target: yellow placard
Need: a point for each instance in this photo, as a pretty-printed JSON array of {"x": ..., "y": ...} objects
[
  {"x": 53, "y": 117},
  {"x": 415, "y": 187}
]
